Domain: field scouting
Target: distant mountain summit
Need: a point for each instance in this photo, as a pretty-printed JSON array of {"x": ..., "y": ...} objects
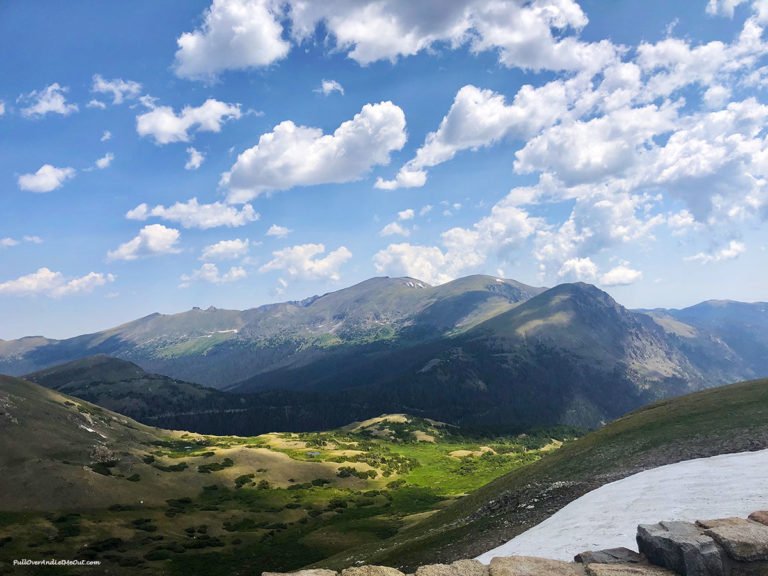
[{"x": 478, "y": 351}]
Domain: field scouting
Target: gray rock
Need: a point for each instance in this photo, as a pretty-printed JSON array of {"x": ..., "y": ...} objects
[
  {"x": 312, "y": 572},
  {"x": 530, "y": 566},
  {"x": 471, "y": 568},
  {"x": 371, "y": 571},
  {"x": 609, "y": 556},
  {"x": 743, "y": 540},
  {"x": 628, "y": 570},
  {"x": 437, "y": 570},
  {"x": 682, "y": 547},
  {"x": 760, "y": 516}
]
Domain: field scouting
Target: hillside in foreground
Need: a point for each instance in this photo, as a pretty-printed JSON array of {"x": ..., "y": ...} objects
[
  {"x": 79, "y": 481},
  {"x": 727, "y": 419}
]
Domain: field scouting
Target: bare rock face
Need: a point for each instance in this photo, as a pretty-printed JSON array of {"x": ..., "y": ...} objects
[
  {"x": 743, "y": 540},
  {"x": 530, "y": 566},
  {"x": 760, "y": 516},
  {"x": 471, "y": 568},
  {"x": 437, "y": 570},
  {"x": 371, "y": 571},
  {"x": 627, "y": 570},
  {"x": 609, "y": 556},
  {"x": 313, "y": 572},
  {"x": 682, "y": 547}
]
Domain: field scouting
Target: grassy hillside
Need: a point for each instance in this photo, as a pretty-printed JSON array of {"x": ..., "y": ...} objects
[
  {"x": 731, "y": 418},
  {"x": 81, "y": 482}
]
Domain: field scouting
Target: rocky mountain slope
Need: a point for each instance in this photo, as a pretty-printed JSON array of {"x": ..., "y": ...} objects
[
  {"x": 479, "y": 351},
  {"x": 219, "y": 347}
]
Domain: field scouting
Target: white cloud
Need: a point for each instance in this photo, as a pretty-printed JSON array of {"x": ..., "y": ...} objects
[
  {"x": 733, "y": 251},
  {"x": 304, "y": 261},
  {"x": 119, "y": 88},
  {"x": 106, "y": 136},
  {"x": 278, "y": 231},
  {"x": 195, "y": 159},
  {"x": 2, "y": 108},
  {"x": 424, "y": 263},
  {"x": 394, "y": 228},
  {"x": 9, "y": 242},
  {"x": 225, "y": 250},
  {"x": 191, "y": 214},
  {"x": 620, "y": 276},
  {"x": 578, "y": 270},
  {"x": 165, "y": 126},
  {"x": 521, "y": 33},
  {"x": 152, "y": 240},
  {"x": 293, "y": 155},
  {"x": 426, "y": 209},
  {"x": 46, "y": 179},
  {"x": 723, "y": 7},
  {"x": 105, "y": 161},
  {"x": 330, "y": 86},
  {"x": 49, "y": 100},
  {"x": 683, "y": 222},
  {"x": 480, "y": 118},
  {"x": 407, "y": 214},
  {"x": 210, "y": 273},
  {"x": 235, "y": 34},
  {"x": 96, "y": 104},
  {"x": 53, "y": 284}
]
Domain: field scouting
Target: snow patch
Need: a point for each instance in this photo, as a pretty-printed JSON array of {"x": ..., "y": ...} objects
[{"x": 705, "y": 488}]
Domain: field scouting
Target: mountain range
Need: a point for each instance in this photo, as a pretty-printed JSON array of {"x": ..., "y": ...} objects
[{"x": 478, "y": 351}]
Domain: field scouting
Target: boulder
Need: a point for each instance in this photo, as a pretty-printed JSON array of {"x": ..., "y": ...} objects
[
  {"x": 437, "y": 570},
  {"x": 609, "y": 556},
  {"x": 682, "y": 547},
  {"x": 743, "y": 540},
  {"x": 760, "y": 516},
  {"x": 471, "y": 568},
  {"x": 312, "y": 572},
  {"x": 627, "y": 570},
  {"x": 371, "y": 571},
  {"x": 530, "y": 566}
]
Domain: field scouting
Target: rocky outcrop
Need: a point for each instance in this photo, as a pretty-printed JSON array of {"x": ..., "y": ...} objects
[{"x": 721, "y": 547}]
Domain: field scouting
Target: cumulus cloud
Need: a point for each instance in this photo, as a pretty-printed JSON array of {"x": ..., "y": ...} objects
[
  {"x": 2, "y": 108},
  {"x": 329, "y": 87},
  {"x": 225, "y": 250},
  {"x": 294, "y": 155},
  {"x": 209, "y": 272},
  {"x": 105, "y": 161},
  {"x": 407, "y": 214},
  {"x": 278, "y": 231},
  {"x": 305, "y": 261},
  {"x": 241, "y": 34},
  {"x": 96, "y": 104},
  {"x": 195, "y": 159},
  {"x": 49, "y": 100},
  {"x": 621, "y": 275},
  {"x": 53, "y": 284},
  {"x": 731, "y": 252},
  {"x": 165, "y": 126},
  {"x": 578, "y": 270},
  {"x": 107, "y": 135},
  {"x": 394, "y": 228},
  {"x": 192, "y": 214},
  {"x": 479, "y": 118},
  {"x": 119, "y": 89},
  {"x": 46, "y": 179},
  {"x": 425, "y": 263},
  {"x": 152, "y": 240},
  {"x": 235, "y": 34},
  {"x": 8, "y": 242}
]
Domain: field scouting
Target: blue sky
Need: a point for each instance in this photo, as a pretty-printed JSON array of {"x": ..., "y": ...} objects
[{"x": 156, "y": 156}]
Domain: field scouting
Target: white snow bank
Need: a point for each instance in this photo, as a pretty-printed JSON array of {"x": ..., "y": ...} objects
[{"x": 706, "y": 488}]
